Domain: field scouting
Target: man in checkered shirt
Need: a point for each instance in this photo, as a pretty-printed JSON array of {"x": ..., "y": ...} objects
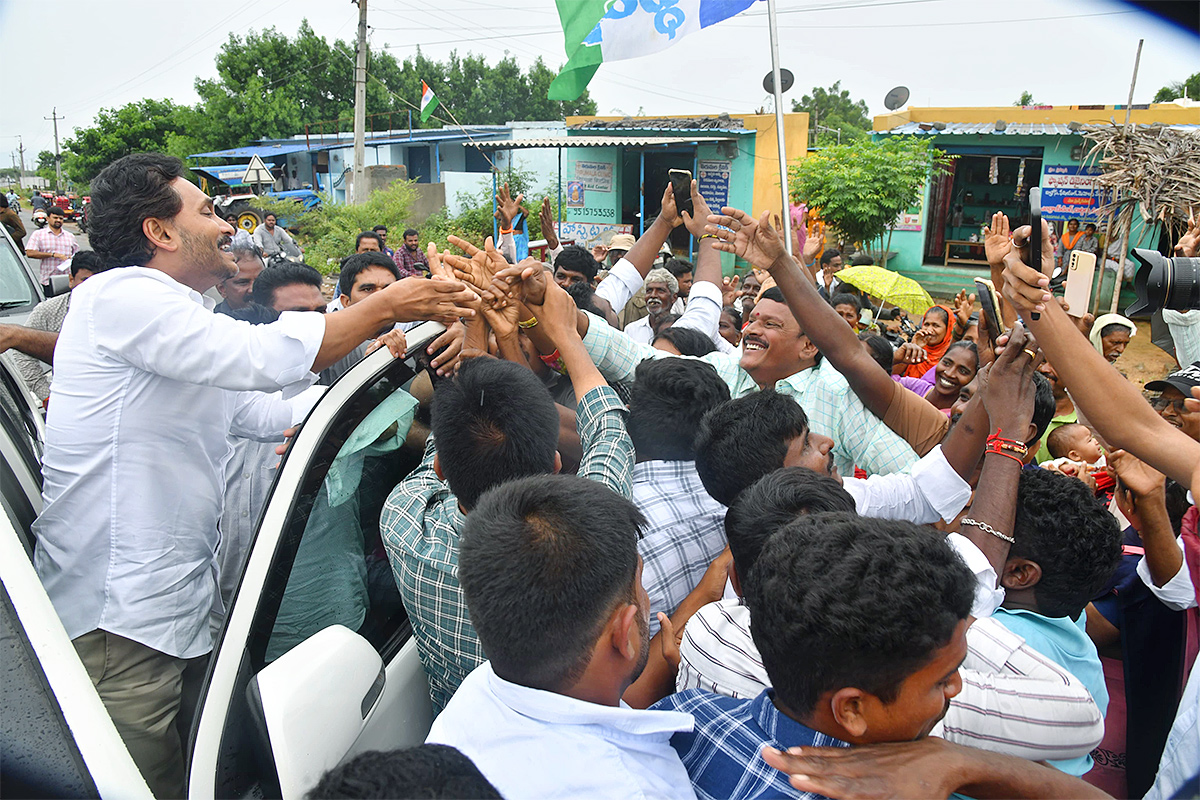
[{"x": 492, "y": 422}]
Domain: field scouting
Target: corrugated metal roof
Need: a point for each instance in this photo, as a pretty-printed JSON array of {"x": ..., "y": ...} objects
[
  {"x": 261, "y": 150},
  {"x": 604, "y": 141},
  {"x": 1012, "y": 129}
]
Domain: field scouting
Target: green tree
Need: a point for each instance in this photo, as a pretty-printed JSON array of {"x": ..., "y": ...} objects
[
  {"x": 144, "y": 126},
  {"x": 834, "y": 108},
  {"x": 861, "y": 188},
  {"x": 1173, "y": 91},
  {"x": 45, "y": 165},
  {"x": 1026, "y": 99}
]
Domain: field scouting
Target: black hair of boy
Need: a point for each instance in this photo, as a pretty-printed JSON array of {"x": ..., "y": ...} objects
[
  {"x": 687, "y": 341},
  {"x": 425, "y": 771},
  {"x": 493, "y": 421},
  {"x": 1070, "y": 535},
  {"x": 577, "y": 259},
  {"x": 355, "y": 265},
  {"x": 668, "y": 399},
  {"x": 285, "y": 273},
  {"x": 880, "y": 348},
  {"x": 772, "y": 503},
  {"x": 542, "y": 563},
  {"x": 1043, "y": 407},
  {"x": 845, "y": 299},
  {"x": 841, "y": 600},
  {"x": 744, "y": 439}
]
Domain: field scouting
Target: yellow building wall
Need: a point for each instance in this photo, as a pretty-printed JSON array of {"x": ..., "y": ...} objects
[
  {"x": 1165, "y": 113},
  {"x": 766, "y": 148}
]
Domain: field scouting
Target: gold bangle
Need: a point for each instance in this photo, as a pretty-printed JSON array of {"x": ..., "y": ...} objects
[{"x": 529, "y": 323}]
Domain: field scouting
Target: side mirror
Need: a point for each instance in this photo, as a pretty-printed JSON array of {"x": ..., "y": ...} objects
[
  {"x": 313, "y": 702},
  {"x": 59, "y": 284}
]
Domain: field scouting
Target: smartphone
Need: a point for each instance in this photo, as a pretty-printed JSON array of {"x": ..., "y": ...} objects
[
  {"x": 1035, "y": 233},
  {"x": 681, "y": 185},
  {"x": 985, "y": 290},
  {"x": 1081, "y": 270}
]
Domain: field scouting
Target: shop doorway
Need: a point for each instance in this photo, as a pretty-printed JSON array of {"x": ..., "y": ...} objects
[
  {"x": 657, "y": 164},
  {"x": 963, "y": 200}
]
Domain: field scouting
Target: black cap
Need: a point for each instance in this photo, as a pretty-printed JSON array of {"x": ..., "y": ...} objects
[{"x": 1183, "y": 380}]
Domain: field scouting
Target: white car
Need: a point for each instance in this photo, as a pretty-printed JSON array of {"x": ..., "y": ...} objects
[{"x": 295, "y": 683}]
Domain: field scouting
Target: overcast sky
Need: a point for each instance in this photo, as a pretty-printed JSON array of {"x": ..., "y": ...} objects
[{"x": 948, "y": 52}]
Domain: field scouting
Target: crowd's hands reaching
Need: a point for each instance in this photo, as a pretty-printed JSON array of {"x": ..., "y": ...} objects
[
  {"x": 507, "y": 206},
  {"x": 478, "y": 267},
  {"x": 730, "y": 290},
  {"x": 1189, "y": 244},
  {"x": 909, "y": 353},
  {"x": 393, "y": 340},
  {"x": 997, "y": 239},
  {"x": 546, "y": 215},
  {"x": 557, "y": 313},
  {"x": 669, "y": 213},
  {"x": 754, "y": 240},
  {"x": 443, "y": 298},
  {"x": 871, "y": 772},
  {"x": 1008, "y": 396},
  {"x": 1139, "y": 484},
  {"x": 1026, "y": 288},
  {"x": 599, "y": 252},
  {"x": 697, "y": 221},
  {"x": 964, "y": 305},
  {"x": 814, "y": 244}
]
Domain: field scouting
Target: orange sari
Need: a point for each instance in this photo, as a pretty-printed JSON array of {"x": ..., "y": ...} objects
[{"x": 934, "y": 352}]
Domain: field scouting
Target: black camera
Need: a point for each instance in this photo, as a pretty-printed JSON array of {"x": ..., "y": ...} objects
[{"x": 1163, "y": 282}]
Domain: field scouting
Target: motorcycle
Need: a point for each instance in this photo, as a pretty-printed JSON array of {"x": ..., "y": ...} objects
[{"x": 39, "y": 217}]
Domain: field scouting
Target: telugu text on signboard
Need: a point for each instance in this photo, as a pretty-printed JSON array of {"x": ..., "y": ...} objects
[
  {"x": 1071, "y": 193},
  {"x": 588, "y": 233},
  {"x": 594, "y": 175},
  {"x": 712, "y": 179}
]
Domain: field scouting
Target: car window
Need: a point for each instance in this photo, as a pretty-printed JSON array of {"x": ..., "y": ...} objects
[
  {"x": 329, "y": 566},
  {"x": 17, "y": 292}
]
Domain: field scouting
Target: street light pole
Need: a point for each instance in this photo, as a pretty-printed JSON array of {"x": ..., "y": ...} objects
[
  {"x": 360, "y": 108},
  {"x": 785, "y": 209}
]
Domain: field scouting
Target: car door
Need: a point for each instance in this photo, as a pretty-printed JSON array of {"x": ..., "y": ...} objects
[{"x": 316, "y": 660}]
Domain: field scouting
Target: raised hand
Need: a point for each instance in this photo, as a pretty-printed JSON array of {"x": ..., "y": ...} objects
[
  {"x": 1008, "y": 396},
  {"x": 669, "y": 213},
  {"x": 479, "y": 266},
  {"x": 908, "y": 353},
  {"x": 446, "y": 363},
  {"x": 729, "y": 290},
  {"x": 996, "y": 239},
  {"x": 393, "y": 340},
  {"x": 814, "y": 243},
  {"x": 547, "y": 218},
  {"x": 697, "y": 221},
  {"x": 739, "y": 233},
  {"x": 1189, "y": 244},
  {"x": 507, "y": 206},
  {"x": 1028, "y": 289},
  {"x": 1136, "y": 475},
  {"x": 963, "y": 305}
]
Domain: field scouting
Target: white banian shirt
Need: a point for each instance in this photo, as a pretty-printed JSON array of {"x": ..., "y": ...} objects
[
  {"x": 531, "y": 743},
  {"x": 148, "y": 383}
]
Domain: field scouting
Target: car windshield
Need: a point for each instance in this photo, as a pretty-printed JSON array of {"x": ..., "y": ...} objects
[{"x": 17, "y": 292}]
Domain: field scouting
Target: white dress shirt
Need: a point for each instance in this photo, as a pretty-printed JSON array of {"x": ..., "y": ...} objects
[
  {"x": 148, "y": 383},
  {"x": 531, "y": 743},
  {"x": 640, "y": 331},
  {"x": 931, "y": 491},
  {"x": 1177, "y": 594},
  {"x": 703, "y": 311},
  {"x": 1014, "y": 700}
]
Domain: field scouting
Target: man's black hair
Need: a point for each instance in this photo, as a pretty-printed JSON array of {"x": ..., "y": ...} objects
[
  {"x": 1065, "y": 530},
  {"x": 353, "y": 266},
  {"x": 667, "y": 402},
  {"x": 861, "y": 259},
  {"x": 840, "y": 600},
  {"x": 845, "y": 299},
  {"x": 881, "y": 349},
  {"x": 270, "y": 214},
  {"x": 53, "y": 209},
  {"x": 687, "y": 341},
  {"x": 1112, "y": 328},
  {"x": 252, "y": 313},
  {"x": 409, "y": 232},
  {"x": 585, "y": 297},
  {"x": 776, "y": 294},
  {"x": 286, "y": 273},
  {"x": 493, "y": 421},
  {"x": 379, "y": 228},
  {"x": 542, "y": 563},
  {"x": 744, "y": 439},
  {"x": 679, "y": 267},
  {"x": 734, "y": 314},
  {"x": 1043, "y": 406},
  {"x": 3, "y": 200},
  {"x": 662, "y": 322},
  {"x": 89, "y": 260},
  {"x": 577, "y": 259},
  {"x": 772, "y": 502},
  {"x": 424, "y": 771},
  {"x": 829, "y": 255},
  {"x": 368, "y": 235},
  {"x": 125, "y": 194},
  {"x": 1177, "y": 504}
]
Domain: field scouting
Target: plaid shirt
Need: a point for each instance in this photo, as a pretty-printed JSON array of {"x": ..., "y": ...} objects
[
  {"x": 421, "y": 524},
  {"x": 834, "y": 410},
  {"x": 412, "y": 264},
  {"x": 723, "y": 753},
  {"x": 63, "y": 245},
  {"x": 685, "y": 531}
]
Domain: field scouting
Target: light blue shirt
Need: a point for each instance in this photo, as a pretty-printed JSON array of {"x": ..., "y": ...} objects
[
  {"x": 531, "y": 743},
  {"x": 1065, "y": 642}
]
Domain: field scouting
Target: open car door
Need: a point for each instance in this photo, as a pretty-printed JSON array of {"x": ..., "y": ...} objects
[{"x": 316, "y": 660}]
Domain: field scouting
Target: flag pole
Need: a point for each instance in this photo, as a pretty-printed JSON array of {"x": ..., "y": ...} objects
[{"x": 785, "y": 212}]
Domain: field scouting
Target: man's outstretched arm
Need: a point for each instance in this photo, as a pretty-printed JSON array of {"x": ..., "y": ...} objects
[{"x": 31, "y": 342}]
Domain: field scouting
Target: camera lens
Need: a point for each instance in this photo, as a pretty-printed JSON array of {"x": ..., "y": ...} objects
[{"x": 1163, "y": 282}]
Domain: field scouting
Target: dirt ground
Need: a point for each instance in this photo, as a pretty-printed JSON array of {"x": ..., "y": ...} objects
[{"x": 1142, "y": 361}]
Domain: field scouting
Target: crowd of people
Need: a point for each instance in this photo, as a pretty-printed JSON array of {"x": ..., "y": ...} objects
[{"x": 969, "y": 555}]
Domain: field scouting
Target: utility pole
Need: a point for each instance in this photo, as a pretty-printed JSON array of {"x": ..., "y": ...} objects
[
  {"x": 360, "y": 108},
  {"x": 57, "y": 159},
  {"x": 21, "y": 150},
  {"x": 785, "y": 214}
]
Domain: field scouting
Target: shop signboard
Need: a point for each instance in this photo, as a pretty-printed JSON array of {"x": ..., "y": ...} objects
[
  {"x": 1070, "y": 192},
  {"x": 590, "y": 232},
  {"x": 911, "y": 218},
  {"x": 594, "y": 175},
  {"x": 712, "y": 179}
]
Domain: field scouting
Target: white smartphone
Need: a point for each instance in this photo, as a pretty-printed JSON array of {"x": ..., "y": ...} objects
[{"x": 1081, "y": 271}]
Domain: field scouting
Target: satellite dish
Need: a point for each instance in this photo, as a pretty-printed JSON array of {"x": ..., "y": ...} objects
[
  {"x": 896, "y": 98},
  {"x": 786, "y": 79}
]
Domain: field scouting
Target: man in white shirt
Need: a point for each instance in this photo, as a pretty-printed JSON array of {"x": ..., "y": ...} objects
[
  {"x": 661, "y": 289},
  {"x": 148, "y": 383},
  {"x": 552, "y": 579},
  {"x": 273, "y": 240}
]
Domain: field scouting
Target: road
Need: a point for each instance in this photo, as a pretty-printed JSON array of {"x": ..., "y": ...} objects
[{"x": 27, "y": 218}]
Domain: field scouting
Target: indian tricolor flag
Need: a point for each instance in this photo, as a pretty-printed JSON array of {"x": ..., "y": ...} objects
[
  {"x": 609, "y": 30},
  {"x": 429, "y": 101}
]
